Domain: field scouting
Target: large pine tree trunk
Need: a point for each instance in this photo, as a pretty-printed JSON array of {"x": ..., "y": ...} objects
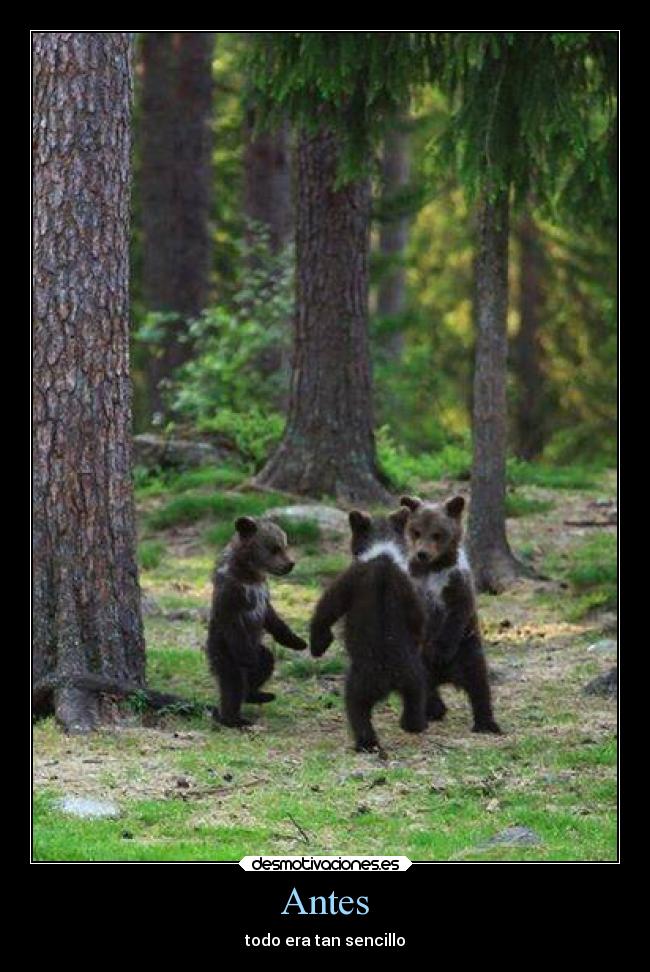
[
  {"x": 492, "y": 561},
  {"x": 527, "y": 358},
  {"x": 393, "y": 235},
  {"x": 175, "y": 187},
  {"x": 267, "y": 182},
  {"x": 86, "y": 599},
  {"x": 328, "y": 446}
]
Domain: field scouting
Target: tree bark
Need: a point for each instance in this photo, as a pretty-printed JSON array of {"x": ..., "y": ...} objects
[
  {"x": 393, "y": 235},
  {"x": 527, "y": 358},
  {"x": 492, "y": 561},
  {"x": 328, "y": 446},
  {"x": 267, "y": 182},
  {"x": 176, "y": 187},
  {"x": 86, "y": 598}
]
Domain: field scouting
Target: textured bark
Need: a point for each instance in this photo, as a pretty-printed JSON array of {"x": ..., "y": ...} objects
[
  {"x": 267, "y": 182},
  {"x": 527, "y": 358},
  {"x": 328, "y": 446},
  {"x": 175, "y": 186},
  {"x": 393, "y": 236},
  {"x": 86, "y": 599},
  {"x": 492, "y": 561}
]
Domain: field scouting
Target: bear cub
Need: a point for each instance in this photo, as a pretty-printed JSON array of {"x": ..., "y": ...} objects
[
  {"x": 453, "y": 650},
  {"x": 384, "y": 626},
  {"x": 241, "y": 611}
]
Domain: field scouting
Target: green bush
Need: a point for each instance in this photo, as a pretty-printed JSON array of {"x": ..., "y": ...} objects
[
  {"x": 451, "y": 461},
  {"x": 253, "y": 432},
  {"x": 150, "y": 554}
]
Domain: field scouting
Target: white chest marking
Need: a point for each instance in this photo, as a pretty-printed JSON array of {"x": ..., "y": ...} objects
[
  {"x": 388, "y": 549},
  {"x": 433, "y": 584},
  {"x": 257, "y": 597}
]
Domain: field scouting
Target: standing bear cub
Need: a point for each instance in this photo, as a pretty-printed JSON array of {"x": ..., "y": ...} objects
[
  {"x": 384, "y": 625},
  {"x": 453, "y": 651},
  {"x": 241, "y": 611}
]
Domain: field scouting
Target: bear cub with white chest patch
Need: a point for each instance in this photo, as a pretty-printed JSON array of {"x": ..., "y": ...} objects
[
  {"x": 242, "y": 611},
  {"x": 453, "y": 650},
  {"x": 384, "y": 625}
]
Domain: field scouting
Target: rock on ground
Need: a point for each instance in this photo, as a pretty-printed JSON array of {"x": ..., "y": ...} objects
[
  {"x": 87, "y": 808},
  {"x": 515, "y": 837},
  {"x": 604, "y": 685},
  {"x": 156, "y": 451},
  {"x": 607, "y": 646},
  {"x": 327, "y": 517}
]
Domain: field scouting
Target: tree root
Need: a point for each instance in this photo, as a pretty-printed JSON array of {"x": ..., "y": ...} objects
[{"x": 43, "y": 694}]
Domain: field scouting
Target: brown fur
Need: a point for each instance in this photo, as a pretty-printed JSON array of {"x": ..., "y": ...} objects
[
  {"x": 241, "y": 611},
  {"x": 384, "y": 623},
  {"x": 453, "y": 649}
]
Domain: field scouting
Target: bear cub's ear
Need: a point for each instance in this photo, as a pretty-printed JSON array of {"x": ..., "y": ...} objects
[
  {"x": 454, "y": 507},
  {"x": 245, "y": 526},
  {"x": 359, "y": 521},
  {"x": 398, "y": 519},
  {"x": 412, "y": 502}
]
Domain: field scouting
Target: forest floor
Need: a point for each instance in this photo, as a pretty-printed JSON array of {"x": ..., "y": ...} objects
[{"x": 188, "y": 791}]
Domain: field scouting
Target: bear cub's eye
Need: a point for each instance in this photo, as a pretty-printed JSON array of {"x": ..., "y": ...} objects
[
  {"x": 437, "y": 537},
  {"x": 416, "y": 534},
  {"x": 276, "y": 549}
]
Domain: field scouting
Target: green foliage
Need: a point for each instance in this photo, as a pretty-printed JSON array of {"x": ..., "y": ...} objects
[
  {"x": 299, "y": 531},
  {"x": 403, "y": 469},
  {"x": 150, "y": 554},
  {"x": 591, "y": 569},
  {"x": 353, "y": 81},
  {"x": 530, "y": 109},
  {"x": 517, "y": 505},
  {"x": 234, "y": 383},
  {"x": 253, "y": 432},
  {"x": 156, "y": 482},
  {"x": 192, "y": 507},
  {"x": 520, "y": 473}
]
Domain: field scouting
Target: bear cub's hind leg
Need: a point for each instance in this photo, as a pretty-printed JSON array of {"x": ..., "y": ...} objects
[{"x": 260, "y": 674}]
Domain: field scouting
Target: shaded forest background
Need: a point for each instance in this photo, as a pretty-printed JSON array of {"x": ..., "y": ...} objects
[{"x": 213, "y": 265}]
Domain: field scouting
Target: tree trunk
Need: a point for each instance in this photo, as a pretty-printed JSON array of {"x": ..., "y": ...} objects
[
  {"x": 527, "y": 358},
  {"x": 268, "y": 205},
  {"x": 176, "y": 188},
  {"x": 393, "y": 236},
  {"x": 328, "y": 446},
  {"x": 86, "y": 598},
  {"x": 267, "y": 182},
  {"x": 492, "y": 562}
]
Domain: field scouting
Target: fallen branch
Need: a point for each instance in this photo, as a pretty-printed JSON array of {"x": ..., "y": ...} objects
[
  {"x": 612, "y": 521},
  {"x": 299, "y": 828}
]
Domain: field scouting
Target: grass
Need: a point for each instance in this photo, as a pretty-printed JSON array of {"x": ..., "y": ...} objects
[
  {"x": 189, "y": 791},
  {"x": 193, "y": 506},
  {"x": 150, "y": 554},
  {"x": 552, "y": 477},
  {"x": 518, "y": 505},
  {"x": 591, "y": 570}
]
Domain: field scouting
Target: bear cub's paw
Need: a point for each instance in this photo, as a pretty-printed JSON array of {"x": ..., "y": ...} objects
[
  {"x": 490, "y": 726},
  {"x": 320, "y": 642},
  {"x": 260, "y": 697}
]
